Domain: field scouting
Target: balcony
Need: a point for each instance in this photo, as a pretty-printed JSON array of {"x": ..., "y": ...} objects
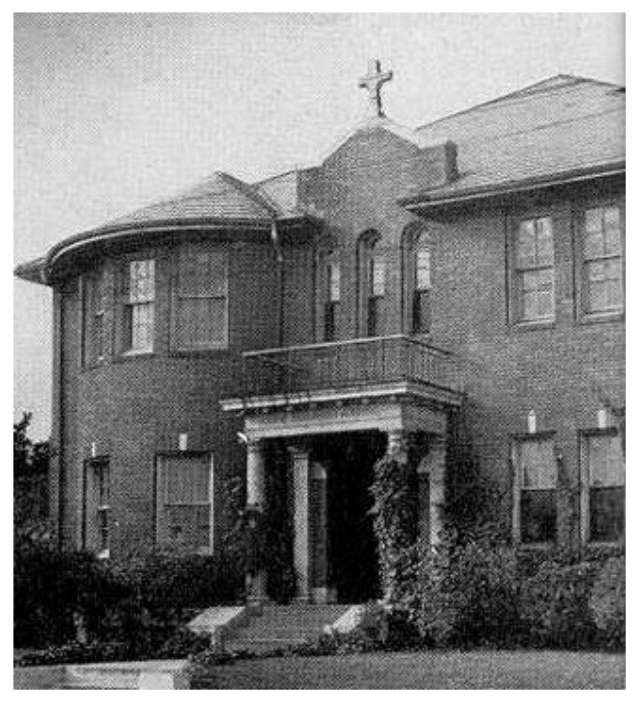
[{"x": 371, "y": 367}]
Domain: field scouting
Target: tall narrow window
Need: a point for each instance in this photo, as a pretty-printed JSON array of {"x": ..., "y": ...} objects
[
  {"x": 139, "y": 317},
  {"x": 200, "y": 314},
  {"x": 184, "y": 502},
  {"x": 97, "y": 506},
  {"x": 602, "y": 279},
  {"x": 535, "y": 501},
  {"x": 534, "y": 270},
  {"x": 422, "y": 283},
  {"x": 94, "y": 308},
  {"x": 603, "y": 488},
  {"x": 376, "y": 293},
  {"x": 333, "y": 299}
]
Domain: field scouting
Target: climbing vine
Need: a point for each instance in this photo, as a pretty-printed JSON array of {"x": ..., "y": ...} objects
[{"x": 395, "y": 519}]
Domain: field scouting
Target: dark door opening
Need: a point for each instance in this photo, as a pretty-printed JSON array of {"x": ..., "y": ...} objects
[{"x": 352, "y": 549}]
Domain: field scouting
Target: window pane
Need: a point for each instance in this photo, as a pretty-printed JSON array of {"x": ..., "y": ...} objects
[
  {"x": 607, "y": 513},
  {"x": 538, "y": 516},
  {"x": 606, "y": 461},
  {"x": 544, "y": 242},
  {"x": 202, "y": 272},
  {"x": 594, "y": 220},
  {"x": 423, "y": 276},
  {"x": 537, "y": 295},
  {"x": 141, "y": 327},
  {"x": 421, "y": 311},
  {"x": 526, "y": 245},
  {"x": 334, "y": 282},
  {"x": 141, "y": 282},
  {"x": 186, "y": 480},
  {"x": 604, "y": 280},
  {"x": 377, "y": 275},
  {"x": 330, "y": 321},
  {"x": 201, "y": 322},
  {"x": 188, "y": 526},
  {"x": 538, "y": 464}
]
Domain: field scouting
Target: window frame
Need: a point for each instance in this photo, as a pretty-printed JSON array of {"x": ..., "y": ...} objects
[
  {"x": 332, "y": 301},
  {"x": 581, "y": 283},
  {"x": 176, "y": 344},
  {"x": 516, "y": 443},
  {"x": 158, "y": 504},
  {"x": 90, "y": 313},
  {"x": 127, "y": 307},
  {"x": 98, "y": 510},
  {"x": 584, "y": 436},
  {"x": 370, "y": 305},
  {"x": 515, "y": 297}
]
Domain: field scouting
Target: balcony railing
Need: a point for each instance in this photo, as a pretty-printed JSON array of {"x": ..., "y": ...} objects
[{"x": 348, "y": 364}]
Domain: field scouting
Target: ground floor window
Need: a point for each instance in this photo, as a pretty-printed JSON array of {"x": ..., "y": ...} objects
[
  {"x": 602, "y": 487},
  {"x": 535, "y": 490},
  {"x": 184, "y": 500},
  {"x": 97, "y": 512}
]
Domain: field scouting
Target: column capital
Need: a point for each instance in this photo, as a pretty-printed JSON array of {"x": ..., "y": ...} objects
[
  {"x": 397, "y": 444},
  {"x": 254, "y": 444},
  {"x": 299, "y": 450}
]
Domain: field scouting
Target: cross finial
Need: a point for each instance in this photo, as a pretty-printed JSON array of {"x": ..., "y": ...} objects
[{"x": 372, "y": 83}]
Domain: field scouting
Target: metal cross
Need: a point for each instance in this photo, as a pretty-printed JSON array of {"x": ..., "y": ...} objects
[{"x": 372, "y": 83}]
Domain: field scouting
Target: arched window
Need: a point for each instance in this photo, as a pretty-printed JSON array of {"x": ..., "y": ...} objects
[
  {"x": 372, "y": 284},
  {"x": 418, "y": 280},
  {"x": 332, "y": 296}
]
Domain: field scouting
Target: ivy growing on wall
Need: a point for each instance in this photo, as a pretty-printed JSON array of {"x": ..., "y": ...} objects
[{"x": 396, "y": 518}]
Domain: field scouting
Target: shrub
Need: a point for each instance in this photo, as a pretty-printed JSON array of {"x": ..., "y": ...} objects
[
  {"x": 555, "y": 605},
  {"x": 607, "y": 603},
  {"x": 468, "y": 595}
]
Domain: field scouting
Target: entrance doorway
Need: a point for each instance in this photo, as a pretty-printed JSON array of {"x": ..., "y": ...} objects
[{"x": 353, "y": 571}]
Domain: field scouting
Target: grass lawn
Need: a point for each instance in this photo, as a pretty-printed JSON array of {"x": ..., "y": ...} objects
[{"x": 430, "y": 670}]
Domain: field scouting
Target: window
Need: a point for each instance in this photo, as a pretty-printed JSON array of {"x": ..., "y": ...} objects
[
  {"x": 602, "y": 274},
  {"x": 94, "y": 306},
  {"x": 200, "y": 304},
  {"x": 139, "y": 315},
  {"x": 422, "y": 285},
  {"x": 603, "y": 488},
  {"x": 97, "y": 506},
  {"x": 376, "y": 292},
  {"x": 371, "y": 283},
  {"x": 533, "y": 283},
  {"x": 333, "y": 299},
  {"x": 184, "y": 502},
  {"x": 535, "y": 498}
]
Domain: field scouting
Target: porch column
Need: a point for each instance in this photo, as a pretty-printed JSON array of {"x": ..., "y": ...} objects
[
  {"x": 320, "y": 590},
  {"x": 255, "y": 504},
  {"x": 302, "y": 555},
  {"x": 435, "y": 462}
]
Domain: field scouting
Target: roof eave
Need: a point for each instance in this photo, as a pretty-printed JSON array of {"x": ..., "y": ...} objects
[
  {"x": 32, "y": 271},
  {"x": 430, "y": 200}
]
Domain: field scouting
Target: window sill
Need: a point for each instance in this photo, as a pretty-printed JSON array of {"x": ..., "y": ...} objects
[
  {"x": 131, "y": 355},
  {"x": 602, "y": 317},
  {"x": 213, "y": 350},
  {"x": 533, "y": 325},
  {"x": 537, "y": 546}
]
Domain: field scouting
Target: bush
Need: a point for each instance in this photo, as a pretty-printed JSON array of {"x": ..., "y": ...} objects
[
  {"x": 607, "y": 603},
  {"x": 61, "y": 597},
  {"x": 467, "y": 596},
  {"x": 555, "y": 605}
]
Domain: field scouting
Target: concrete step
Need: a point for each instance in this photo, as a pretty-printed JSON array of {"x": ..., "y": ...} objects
[{"x": 280, "y": 626}]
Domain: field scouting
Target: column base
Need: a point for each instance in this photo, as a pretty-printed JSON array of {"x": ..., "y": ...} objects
[{"x": 324, "y": 595}]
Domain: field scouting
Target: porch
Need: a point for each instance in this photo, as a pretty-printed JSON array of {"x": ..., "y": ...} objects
[{"x": 326, "y": 403}]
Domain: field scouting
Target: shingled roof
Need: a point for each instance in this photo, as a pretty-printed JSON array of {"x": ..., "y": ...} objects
[
  {"x": 562, "y": 125},
  {"x": 218, "y": 197}
]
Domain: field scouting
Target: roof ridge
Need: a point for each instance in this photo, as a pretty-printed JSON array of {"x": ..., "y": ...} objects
[
  {"x": 247, "y": 190},
  {"x": 530, "y": 90}
]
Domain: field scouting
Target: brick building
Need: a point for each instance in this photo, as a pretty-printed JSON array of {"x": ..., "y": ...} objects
[{"x": 459, "y": 285}]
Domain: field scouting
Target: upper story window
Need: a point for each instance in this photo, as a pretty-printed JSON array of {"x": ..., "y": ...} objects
[
  {"x": 602, "y": 487},
  {"x": 201, "y": 298},
  {"x": 422, "y": 264},
  {"x": 333, "y": 298},
  {"x": 602, "y": 260},
  {"x": 533, "y": 270},
  {"x": 536, "y": 480},
  {"x": 139, "y": 306},
  {"x": 371, "y": 268},
  {"x": 94, "y": 308}
]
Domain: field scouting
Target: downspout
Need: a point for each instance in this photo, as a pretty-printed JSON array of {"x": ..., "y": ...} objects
[{"x": 274, "y": 236}]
